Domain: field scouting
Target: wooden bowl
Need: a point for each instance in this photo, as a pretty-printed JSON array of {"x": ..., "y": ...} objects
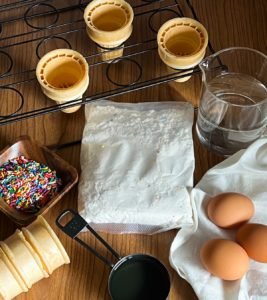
[{"x": 31, "y": 150}]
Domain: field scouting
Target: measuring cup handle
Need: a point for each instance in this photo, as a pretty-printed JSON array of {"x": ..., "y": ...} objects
[{"x": 73, "y": 227}]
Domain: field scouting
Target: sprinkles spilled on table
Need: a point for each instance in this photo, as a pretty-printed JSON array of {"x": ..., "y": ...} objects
[{"x": 27, "y": 185}]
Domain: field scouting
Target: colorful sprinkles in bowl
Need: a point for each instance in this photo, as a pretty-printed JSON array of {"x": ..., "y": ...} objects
[{"x": 27, "y": 185}]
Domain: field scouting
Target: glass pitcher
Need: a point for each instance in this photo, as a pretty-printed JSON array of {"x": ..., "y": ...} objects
[{"x": 233, "y": 105}]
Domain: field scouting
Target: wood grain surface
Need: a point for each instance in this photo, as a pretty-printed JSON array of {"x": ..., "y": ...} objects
[{"x": 229, "y": 23}]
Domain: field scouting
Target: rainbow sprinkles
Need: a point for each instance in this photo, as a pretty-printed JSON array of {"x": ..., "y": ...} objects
[{"x": 27, "y": 185}]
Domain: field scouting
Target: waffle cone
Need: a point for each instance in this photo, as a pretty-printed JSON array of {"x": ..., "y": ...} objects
[
  {"x": 63, "y": 76},
  {"x": 23, "y": 258},
  {"x": 109, "y": 24},
  {"x": 11, "y": 284},
  {"x": 182, "y": 43},
  {"x": 46, "y": 244}
]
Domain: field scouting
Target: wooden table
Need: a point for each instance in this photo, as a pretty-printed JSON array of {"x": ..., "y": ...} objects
[{"x": 229, "y": 23}]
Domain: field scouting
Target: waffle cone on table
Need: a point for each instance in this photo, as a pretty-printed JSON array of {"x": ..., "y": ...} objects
[
  {"x": 182, "y": 44},
  {"x": 23, "y": 258},
  {"x": 28, "y": 256},
  {"x": 109, "y": 25},
  {"x": 46, "y": 244},
  {"x": 63, "y": 76},
  {"x": 11, "y": 283}
]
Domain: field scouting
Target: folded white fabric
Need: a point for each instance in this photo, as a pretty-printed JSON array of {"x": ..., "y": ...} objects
[
  {"x": 137, "y": 163},
  {"x": 245, "y": 172}
]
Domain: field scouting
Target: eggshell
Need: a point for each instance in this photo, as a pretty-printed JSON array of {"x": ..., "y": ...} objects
[
  {"x": 253, "y": 238},
  {"x": 230, "y": 210},
  {"x": 224, "y": 259}
]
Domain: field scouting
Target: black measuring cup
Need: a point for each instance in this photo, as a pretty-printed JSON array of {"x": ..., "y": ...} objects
[{"x": 133, "y": 277}]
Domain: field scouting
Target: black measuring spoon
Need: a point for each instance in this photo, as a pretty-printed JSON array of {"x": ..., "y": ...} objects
[{"x": 133, "y": 277}]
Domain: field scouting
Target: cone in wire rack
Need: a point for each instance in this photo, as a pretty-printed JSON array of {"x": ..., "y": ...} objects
[
  {"x": 23, "y": 258},
  {"x": 109, "y": 25},
  {"x": 11, "y": 284},
  {"x": 46, "y": 244},
  {"x": 63, "y": 76},
  {"x": 182, "y": 44}
]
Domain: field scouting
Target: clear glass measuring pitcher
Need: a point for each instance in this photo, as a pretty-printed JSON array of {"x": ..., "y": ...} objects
[{"x": 233, "y": 105}]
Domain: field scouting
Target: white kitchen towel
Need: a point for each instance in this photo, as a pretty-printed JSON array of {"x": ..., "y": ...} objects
[
  {"x": 244, "y": 172},
  {"x": 137, "y": 163}
]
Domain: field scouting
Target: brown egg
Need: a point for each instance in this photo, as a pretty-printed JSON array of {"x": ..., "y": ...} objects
[
  {"x": 253, "y": 238},
  {"x": 224, "y": 259},
  {"x": 230, "y": 210}
]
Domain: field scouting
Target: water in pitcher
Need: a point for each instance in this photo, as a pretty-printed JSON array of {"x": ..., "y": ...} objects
[{"x": 232, "y": 113}]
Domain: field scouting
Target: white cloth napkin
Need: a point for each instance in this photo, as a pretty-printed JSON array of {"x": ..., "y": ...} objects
[
  {"x": 244, "y": 172},
  {"x": 137, "y": 164}
]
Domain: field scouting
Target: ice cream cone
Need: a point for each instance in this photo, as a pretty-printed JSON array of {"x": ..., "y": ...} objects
[
  {"x": 11, "y": 284},
  {"x": 182, "y": 44},
  {"x": 109, "y": 24},
  {"x": 23, "y": 258},
  {"x": 63, "y": 76},
  {"x": 45, "y": 242}
]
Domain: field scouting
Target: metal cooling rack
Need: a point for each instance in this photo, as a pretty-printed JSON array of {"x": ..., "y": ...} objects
[{"x": 36, "y": 27}]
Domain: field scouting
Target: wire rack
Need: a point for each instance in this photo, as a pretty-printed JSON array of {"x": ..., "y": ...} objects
[{"x": 30, "y": 28}]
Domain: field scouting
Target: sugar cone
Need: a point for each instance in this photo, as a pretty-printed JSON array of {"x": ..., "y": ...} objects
[
  {"x": 11, "y": 284},
  {"x": 182, "y": 44},
  {"x": 23, "y": 258},
  {"x": 45, "y": 242},
  {"x": 63, "y": 76},
  {"x": 109, "y": 24}
]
